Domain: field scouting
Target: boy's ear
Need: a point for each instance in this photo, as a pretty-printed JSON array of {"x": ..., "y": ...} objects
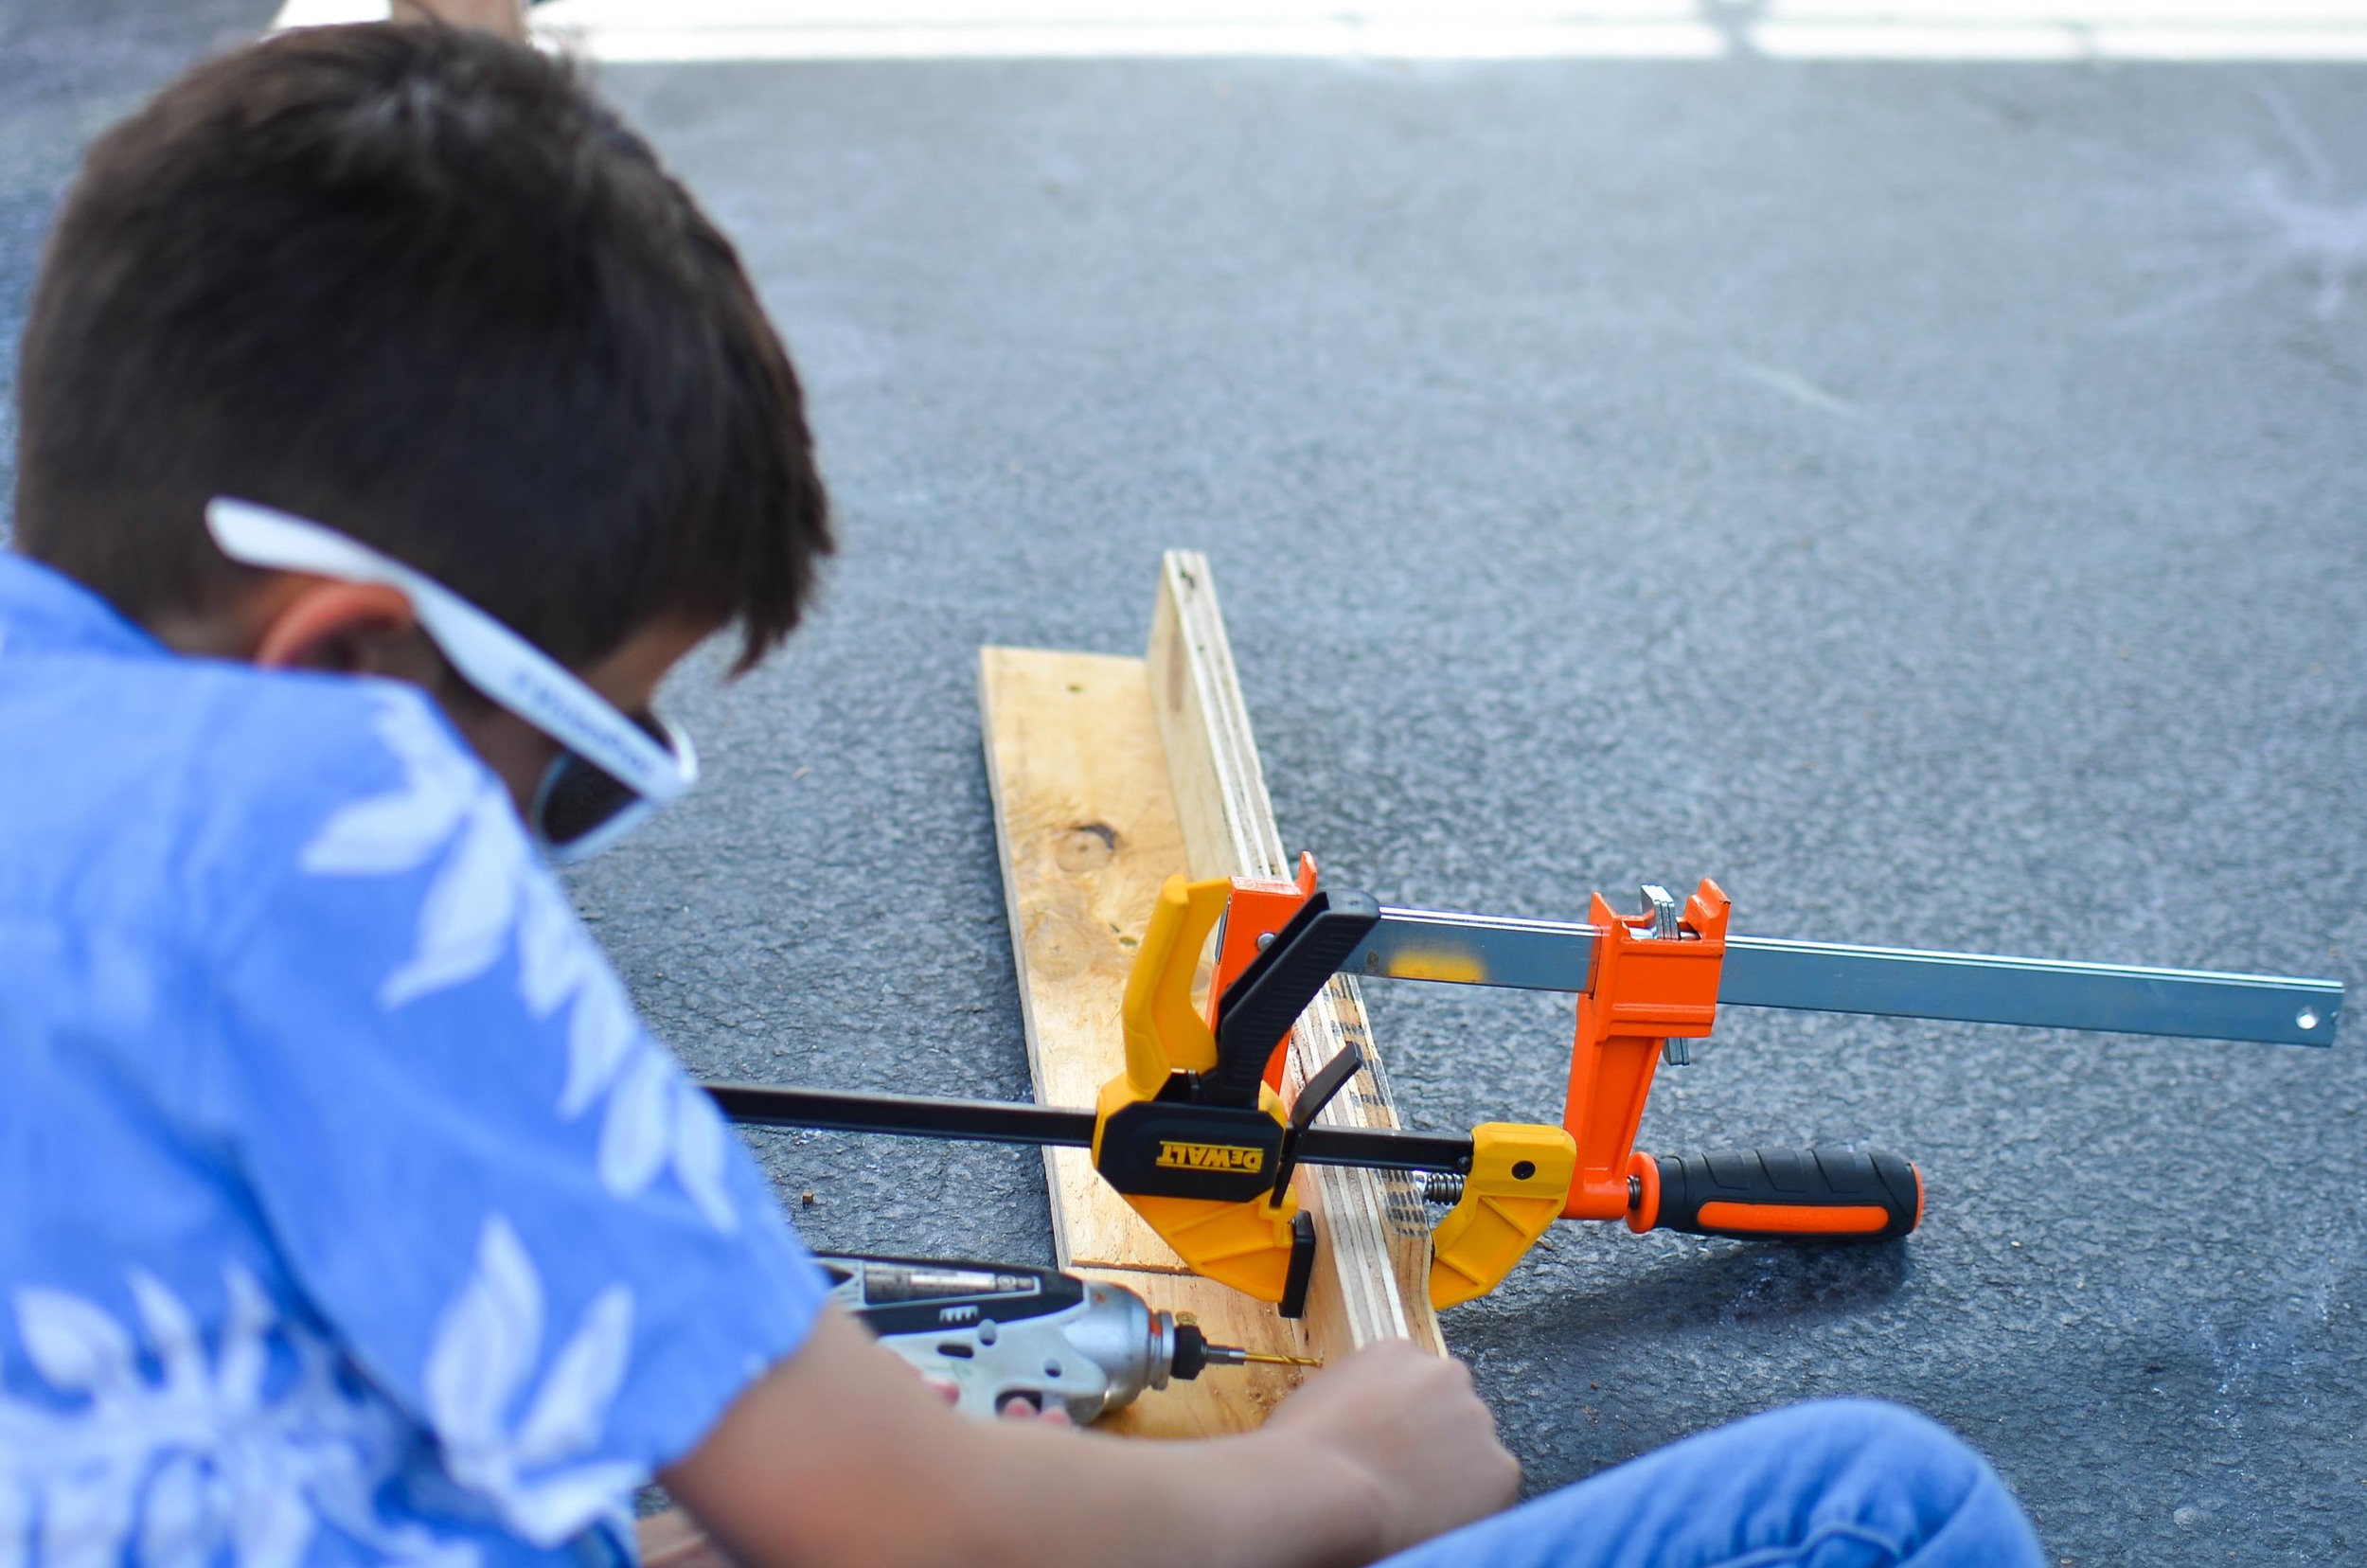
[{"x": 342, "y": 628}]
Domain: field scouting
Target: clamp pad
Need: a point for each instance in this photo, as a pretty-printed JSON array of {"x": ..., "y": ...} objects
[{"x": 1520, "y": 1179}]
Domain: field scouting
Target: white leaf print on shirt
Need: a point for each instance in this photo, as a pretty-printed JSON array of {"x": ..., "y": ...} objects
[
  {"x": 198, "y": 1462},
  {"x": 486, "y": 1348},
  {"x": 75, "y": 1346},
  {"x": 490, "y": 891}
]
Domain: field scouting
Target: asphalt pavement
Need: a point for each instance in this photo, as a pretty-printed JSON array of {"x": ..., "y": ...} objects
[{"x": 1925, "y": 497}]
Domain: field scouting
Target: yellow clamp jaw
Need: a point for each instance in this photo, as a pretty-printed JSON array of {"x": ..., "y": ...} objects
[
  {"x": 1520, "y": 1179},
  {"x": 1201, "y": 1176},
  {"x": 1165, "y": 1033}
]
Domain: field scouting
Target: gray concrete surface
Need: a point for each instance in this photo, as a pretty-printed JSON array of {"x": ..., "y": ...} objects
[
  {"x": 68, "y": 69},
  {"x": 1926, "y": 498}
]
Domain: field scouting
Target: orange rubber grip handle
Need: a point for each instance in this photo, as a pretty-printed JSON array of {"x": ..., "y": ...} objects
[{"x": 1790, "y": 1195}]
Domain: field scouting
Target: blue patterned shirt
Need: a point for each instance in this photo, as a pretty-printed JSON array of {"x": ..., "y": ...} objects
[{"x": 348, "y": 1213}]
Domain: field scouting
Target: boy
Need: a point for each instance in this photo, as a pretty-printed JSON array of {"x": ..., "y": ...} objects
[{"x": 390, "y": 424}]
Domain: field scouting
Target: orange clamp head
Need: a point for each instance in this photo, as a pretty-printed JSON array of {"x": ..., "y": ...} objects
[
  {"x": 1655, "y": 979},
  {"x": 1259, "y": 907}
]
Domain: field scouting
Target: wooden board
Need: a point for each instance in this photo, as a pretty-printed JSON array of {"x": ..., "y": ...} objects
[
  {"x": 1223, "y": 1399},
  {"x": 1088, "y": 765},
  {"x": 1373, "y": 1280},
  {"x": 1087, "y": 830}
]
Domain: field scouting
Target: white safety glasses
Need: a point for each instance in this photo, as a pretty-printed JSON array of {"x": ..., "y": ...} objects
[{"x": 616, "y": 770}]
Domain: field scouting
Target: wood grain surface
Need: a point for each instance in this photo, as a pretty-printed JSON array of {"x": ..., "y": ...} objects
[
  {"x": 1088, "y": 832},
  {"x": 1372, "y": 1281},
  {"x": 1109, "y": 775}
]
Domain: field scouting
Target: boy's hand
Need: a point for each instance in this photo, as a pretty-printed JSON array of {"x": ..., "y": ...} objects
[
  {"x": 840, "y": 1454},
  {"x": 1018, "y": 1410},
  {"x": 1412, "y": 1423},
  {"x": 673, "y": 1540}
]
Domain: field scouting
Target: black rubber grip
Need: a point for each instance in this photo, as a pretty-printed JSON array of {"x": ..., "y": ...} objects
[
  {"x": 1789, "y": 1194},
  {"x": 1257, "y": 1009}
]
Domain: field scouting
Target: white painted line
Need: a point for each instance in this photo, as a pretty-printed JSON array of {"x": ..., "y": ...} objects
[
  {"x": 1818, "y": 41},
  {"x": 2206, "y": 43},
  {"x": 1315, "y": 40},
  {"x": 326, "y": 14},
  {"x": 2034, "y": 30}
]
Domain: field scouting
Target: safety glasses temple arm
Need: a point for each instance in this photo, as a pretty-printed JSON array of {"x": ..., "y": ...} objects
[{"x": 492, "y": 657}]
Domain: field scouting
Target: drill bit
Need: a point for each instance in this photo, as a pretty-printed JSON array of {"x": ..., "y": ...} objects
[{"x": 1234, "y": 1355}]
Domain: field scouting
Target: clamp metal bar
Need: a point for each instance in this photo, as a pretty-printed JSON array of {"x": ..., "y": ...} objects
[
  {"x": 1475, "y": 950},
  {"x": 907, "y": 1116},
  {"x": 1385, "y": 1149},
  {"x": 2041, "y": 992},
  {"x": 1003, "y": 1121},
  {"x": 1485, "y": 950}
]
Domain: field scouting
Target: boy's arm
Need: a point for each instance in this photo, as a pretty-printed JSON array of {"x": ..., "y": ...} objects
[
  {"x": 538, "y": 1239},
  {"x": 841, "y": 1455}
]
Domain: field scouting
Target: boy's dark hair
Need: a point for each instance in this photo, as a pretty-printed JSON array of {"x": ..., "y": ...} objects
[{"x": 416, "y": 284}]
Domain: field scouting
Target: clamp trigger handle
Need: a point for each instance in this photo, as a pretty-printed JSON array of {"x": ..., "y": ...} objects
[
  {"x": 1258, "y": 1009},
  {"x": 1314, "y": 1094}
]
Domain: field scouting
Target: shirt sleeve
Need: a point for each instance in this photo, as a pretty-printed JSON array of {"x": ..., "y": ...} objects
[{"x": 523, "y": 1220}]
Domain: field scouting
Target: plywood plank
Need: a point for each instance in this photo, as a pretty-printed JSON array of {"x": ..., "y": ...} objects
[
  {"x": 1372, "y": 1280},
  {"x": 1109, "y": 774},
  {"x": 1223, "y": 1398},
  {"x": 1087, "y": 831}
]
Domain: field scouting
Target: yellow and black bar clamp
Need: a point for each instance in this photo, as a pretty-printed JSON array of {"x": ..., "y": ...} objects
[{"x": 1195, "y": 1135}]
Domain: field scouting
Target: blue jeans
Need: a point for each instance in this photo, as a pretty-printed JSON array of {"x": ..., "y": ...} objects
[{"x": 1838, "y": 1483}]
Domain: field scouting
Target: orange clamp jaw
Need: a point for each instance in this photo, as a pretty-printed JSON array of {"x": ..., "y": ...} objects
[
  {"x": 1258, "y": 907},
  {"x": 1654, "y": 980}
]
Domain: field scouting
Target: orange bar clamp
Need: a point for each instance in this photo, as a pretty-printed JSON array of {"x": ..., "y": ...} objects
[{"x": 1655, "y": 980}]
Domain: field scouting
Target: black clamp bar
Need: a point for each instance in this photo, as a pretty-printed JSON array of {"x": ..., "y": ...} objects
[{"x": 1002, "y": 1121}]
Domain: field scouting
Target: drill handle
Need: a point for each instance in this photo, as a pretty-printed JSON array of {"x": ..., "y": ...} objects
[{"x": 1780, "y": 1194}]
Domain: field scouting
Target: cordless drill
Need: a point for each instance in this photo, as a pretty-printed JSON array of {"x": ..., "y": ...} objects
[{"x": 1001, "y": 1333}]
